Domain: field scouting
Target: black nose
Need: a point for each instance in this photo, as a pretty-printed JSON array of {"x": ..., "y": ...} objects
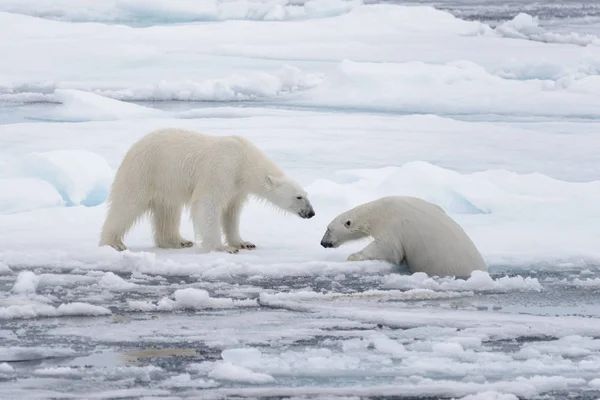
[
  {"x": 326, "y": 244},
  {"x": 311, "y": 214}
]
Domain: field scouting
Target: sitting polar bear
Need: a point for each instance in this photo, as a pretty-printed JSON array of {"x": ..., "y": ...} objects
[
  {"x": 172, "y": 168},
  {"x": 410, "y": 230}
]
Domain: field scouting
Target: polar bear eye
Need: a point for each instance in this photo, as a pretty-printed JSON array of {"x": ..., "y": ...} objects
[
  {"x": 299, "y": 197},
  {"x": 348, "y": 223}
]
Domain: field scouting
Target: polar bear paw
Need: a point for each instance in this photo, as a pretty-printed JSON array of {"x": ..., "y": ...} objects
[
  {"x": 180, "y": 243},
  {"x": 356, "y": 257},
  {"x": 244, "y": 245},
  {"x": 183, "y": 244},
  {"x": 118, "y": 246}
]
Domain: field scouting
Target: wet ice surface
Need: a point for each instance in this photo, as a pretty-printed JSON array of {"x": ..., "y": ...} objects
[
  {"x": 496, "y": 122},
  {"x": 347, "y": 334}
]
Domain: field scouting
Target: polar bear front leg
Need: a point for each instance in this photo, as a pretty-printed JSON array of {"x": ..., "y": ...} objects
[
  {"x": 206, "y": 220},
  {"x": 371, "y": 252},
  {"x": 231, "y": 225}
]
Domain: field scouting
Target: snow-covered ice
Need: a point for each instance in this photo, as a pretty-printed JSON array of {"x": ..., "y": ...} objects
[{"x": 497, "y": 123}]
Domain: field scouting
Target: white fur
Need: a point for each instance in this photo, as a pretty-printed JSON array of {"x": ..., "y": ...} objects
[
  {"x": 169, "y": 169},
  {"x": 410, "y": 230}
]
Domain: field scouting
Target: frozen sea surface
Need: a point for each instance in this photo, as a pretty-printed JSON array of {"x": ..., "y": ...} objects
[{"x": 489, "y": 109}]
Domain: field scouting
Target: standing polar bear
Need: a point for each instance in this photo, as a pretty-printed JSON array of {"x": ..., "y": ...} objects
[
  {"x": 410, "y": 230},
  {"x": 213, "y": 176}
]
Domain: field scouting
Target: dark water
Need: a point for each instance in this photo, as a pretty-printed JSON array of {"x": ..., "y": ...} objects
[{"x": 563, "y": 16}]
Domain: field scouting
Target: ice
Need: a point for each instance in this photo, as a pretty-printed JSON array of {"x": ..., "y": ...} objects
[
  {"x": 185, "y": 381},
  {"x": 79, "y": 176},
  {"x": 595, "y": 383},
  {"x": 26, "y": 283},
  {"x": 230, "y": 372},
  {"x": 191, "y": 298},
  {"x": 525, "y": 26},
  {"x": 82, "y": 309},
  {"x": 114, "y": 282},
  {"x": 57, "y": 372},
  {"x": 26, "y": 194},
  {"x": 180, "y": 10},
  {"x": 496, "y": 124},
  {"x": 26, "y": 303},
  {"x": 479, "y": 281},
  {"x": 15, "y": 353},
  {"x": 5, "y": 269},
  {"x": 77, "y": 105},
  {"x": 6, "y": 368},
  {"x": 418, "y": 87},
  {"x": 490, "y": 395}
]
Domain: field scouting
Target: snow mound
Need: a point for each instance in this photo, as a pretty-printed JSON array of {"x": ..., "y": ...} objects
[
  {"x": 98, "y": 101},
  {"x": 235, "y": 373},
  {"x": 479, "y": 281},
  {"x": 5, "y": 368},
  {"x": 77, "y": 105},
  {"x": 79, "y": 176},
  {"x": 486, "y": 192},
  {"x": 190, "y": 298},
  {"x": 524, "y": 26},
  {"x": 26, "y": 283},
  {"x": 111, "y": 281},
  {"x": 26, "y": 194},
  {"x": 37, "y": 310},
  {"x": 251, "y": 86},
  {"x": 158, "y": 12},
  {"x": 455, "y": 87}
]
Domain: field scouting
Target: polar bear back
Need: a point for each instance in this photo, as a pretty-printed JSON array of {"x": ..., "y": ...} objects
[
  {"x": 171, "y": 165},
  {"x": 431, "y": 241}
]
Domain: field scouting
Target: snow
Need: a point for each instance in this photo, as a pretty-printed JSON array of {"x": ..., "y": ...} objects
[
  {"x": 114, "y": 282},
  {"x": 27, "y": 194},
  {"x": 180, "y": 10},
  {"x": 8, "y": 354},
  {"x": 4, "y": 269},
  {"x": 230, "y": 372},
  {"x": 498, "y": 125},
  {"x": 190, "y": 298},
  {"x": 80, "y": 176},
  {"x": 26, "y": 282},
  {"x": 490, "y": 395},
  {"x": 77, "y": 105},
  {"x": 5, "y": 368},
  {"x": 36, "y": 310},
  {"x": 525, "y": 26},
  {"x": 479, "y": 281}
]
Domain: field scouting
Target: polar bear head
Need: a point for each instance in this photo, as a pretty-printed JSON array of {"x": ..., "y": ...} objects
[
  {"x": 288, "y": 195},
  {"x": 345, "y": 228}
]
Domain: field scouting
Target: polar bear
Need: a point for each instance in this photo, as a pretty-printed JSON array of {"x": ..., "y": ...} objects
[
  {"x": 170, "y": 169},
  {"x": 407, "y": 230}
]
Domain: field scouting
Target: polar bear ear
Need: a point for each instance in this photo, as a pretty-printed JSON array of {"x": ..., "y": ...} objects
[{"x": 272, "y": 180}]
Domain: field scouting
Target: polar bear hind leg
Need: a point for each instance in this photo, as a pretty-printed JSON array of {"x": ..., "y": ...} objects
[
  {"x": 120, "y": 218},
  {"x": 166, "y": 221}
]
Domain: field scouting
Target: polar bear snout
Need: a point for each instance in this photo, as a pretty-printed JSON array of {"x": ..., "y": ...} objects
[
  {"x": 307, "y": 214},
  {"x": 326, "y": 244},
  {"x": 327, "y": 241}
]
